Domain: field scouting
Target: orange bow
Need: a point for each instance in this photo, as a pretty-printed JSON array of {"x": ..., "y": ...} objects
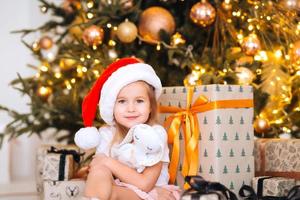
[{"x": 188, "y": 120}]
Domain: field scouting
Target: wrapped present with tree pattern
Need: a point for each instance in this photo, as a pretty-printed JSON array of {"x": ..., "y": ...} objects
[{"x": 210, "y": 133}]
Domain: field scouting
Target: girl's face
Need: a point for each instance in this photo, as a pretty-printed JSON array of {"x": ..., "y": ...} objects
[{"x": 132, "y": 106}]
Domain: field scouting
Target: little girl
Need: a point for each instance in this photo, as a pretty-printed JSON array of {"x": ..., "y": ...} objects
[{"x": 127, "y": 93}]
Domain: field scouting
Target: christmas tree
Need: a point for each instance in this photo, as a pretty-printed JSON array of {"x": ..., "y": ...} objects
[{"x": 251, "y": 42}]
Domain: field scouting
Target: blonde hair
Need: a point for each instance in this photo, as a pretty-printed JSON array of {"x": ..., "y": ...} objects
[{"x": 121, "y": 131}]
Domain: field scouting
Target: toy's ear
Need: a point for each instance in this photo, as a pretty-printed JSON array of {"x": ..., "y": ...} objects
[{"x": 161, "y": 133}]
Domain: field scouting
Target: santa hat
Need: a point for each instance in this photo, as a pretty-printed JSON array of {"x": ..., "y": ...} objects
[{"x": 105, "y": 90}]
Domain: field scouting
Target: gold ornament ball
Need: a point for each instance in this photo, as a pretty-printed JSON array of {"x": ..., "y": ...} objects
[
  {"x": 203, "y": 14},
  {"x": 261, "y": 125},
  {"x": 245, "y": 75},
  {"x": 46, "y": 42},
  {"x": 44, "y": 92},
  {"x": 251, "y": 45},
  {"x": 154, "y": 19},
  {"x": 66, "y": 63},
  {"x": 127, "y": 32},
  {"x": 93, "y": 35},
  {"x": 295, "y": 52}
]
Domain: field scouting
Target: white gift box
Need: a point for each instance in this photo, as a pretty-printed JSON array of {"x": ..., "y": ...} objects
[
  {"x": 71, "y": 189},
  {"x": 226, "y": 141}
]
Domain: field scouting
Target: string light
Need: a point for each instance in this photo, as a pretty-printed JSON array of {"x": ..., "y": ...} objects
[{"x": 90, "y": 15}]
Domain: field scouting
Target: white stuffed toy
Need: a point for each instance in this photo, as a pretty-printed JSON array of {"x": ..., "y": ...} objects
[{"x": 143, "y": 146}]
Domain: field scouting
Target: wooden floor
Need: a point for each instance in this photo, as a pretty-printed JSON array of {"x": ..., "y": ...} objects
[{"x": 24, "y": 190}]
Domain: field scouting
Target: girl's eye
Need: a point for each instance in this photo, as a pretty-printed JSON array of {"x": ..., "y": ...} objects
[
  {"x": 140, "y": 100},
  {"x": 121, "y": 101}
]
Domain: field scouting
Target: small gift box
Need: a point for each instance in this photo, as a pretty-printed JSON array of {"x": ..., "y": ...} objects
[
  {"x": 210, "y": 133},
  {"x": 248, "y": 193},
  {"x": 40, "y": 161},
  {"x": 272, "y": 186},
  {"x": 277, "y": 157},
  {"x": 72, "y": 189},
  {"x": 201, "y": 189},
  {"x": 58, "y": 167}
]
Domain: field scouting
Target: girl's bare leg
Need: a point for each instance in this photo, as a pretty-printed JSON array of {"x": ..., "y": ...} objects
[
  {"x": 99, "y": 183},
  {"x": 123, "y": 193}
]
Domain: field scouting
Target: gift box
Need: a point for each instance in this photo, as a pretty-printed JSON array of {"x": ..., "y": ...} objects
[
  {"x": 58, "y": 167},
  {"x": 277, "y": 157},
  {"x": 272, "y": 186},
  {"x": 72, "y": 189},
  {"x": 40, "y": 161},
  {"x": 200, "y": 189},
  {"x": 222, "y": 116}
]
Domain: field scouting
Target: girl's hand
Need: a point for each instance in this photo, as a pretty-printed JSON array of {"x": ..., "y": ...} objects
[{"x": 164, "y": 194}]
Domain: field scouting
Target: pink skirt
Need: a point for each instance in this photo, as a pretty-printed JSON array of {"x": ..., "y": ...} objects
[{"x": 152, "y": 195}]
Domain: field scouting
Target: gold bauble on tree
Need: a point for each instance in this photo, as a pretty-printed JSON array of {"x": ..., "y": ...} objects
[
  {"x": 203, "y": 14},
  {"x": 127, "y": 32},
  {"x": 261, "y": 125},
  {"x": 153, "y": 20},
  {"x": 93, "y": 35},
  {"x": 245, "y": 75},
  {"x": 251, "y": 45},
  {"x": 46, "y": 42}
]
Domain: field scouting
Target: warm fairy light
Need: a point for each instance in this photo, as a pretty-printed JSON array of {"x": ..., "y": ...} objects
[
  {"x": 225, "y": 70},
  {"x": 250, "y": 27},
  {"x": 286, "y": 130},
  {"x": 84, "y": 69},
  {"x": 90, "y": 15},
  {"x": 35, "y": 46},
  {"x": 298, "y": 73},
  {"x": 94, "y": 47},
  {"x": 90, "y": 4},
  {"x": 158, "y": 47},
  {"x": 88, "y": 56},
  {"x": 278, "y": 78},
  {"x": 268, "y": 18},
  {"x": 261, "y": 56},
  {"x": 278, "y": 53},
  {"x": 229, "y": 21},
  {"x": 275, "y": 111},
  {"x": 108, "y": 25},
  {"x": 82, "y": 59},
  {"x": 287, "y": 57},
  {"x": 37, "y": 75},
  {"x": 257, "y": 26},
  {"x": 96, "y": 61},
  {"x": 57, "y": 75},
  {"x": 68, "y": 85},
  {"x": 177, "y": 39},
  {"x": 272, "y": 83},
  {"x": 44, "y": 91},
  {"x": 112, "y": 43},
  {"x": 240, "y": 37},
  {"x": 96, "y": 72},
  {"x": 278, "y": 121},
  {"x": 287, "y": 99},
  {"x": 258, "y": 71},
  {"x": 44, "y": 67},
  {"x": 227, "y": 1},
  {"x": 73, "y": 80},
  {"x": 238, "y": 13},
  {"x": 44, "y": 9}
]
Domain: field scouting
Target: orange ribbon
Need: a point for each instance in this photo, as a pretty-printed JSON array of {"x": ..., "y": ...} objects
[{"x": 188, "y": 120}]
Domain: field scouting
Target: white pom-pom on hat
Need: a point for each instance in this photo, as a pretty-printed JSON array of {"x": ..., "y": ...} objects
[{"x": 87, "y": 138}]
